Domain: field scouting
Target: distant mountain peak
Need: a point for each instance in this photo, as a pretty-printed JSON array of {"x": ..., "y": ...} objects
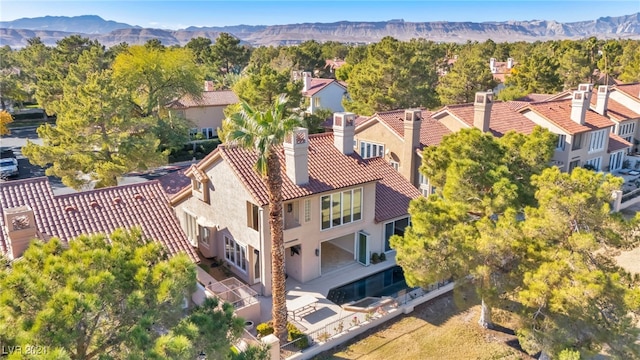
[{"x": 53, "y": 28}]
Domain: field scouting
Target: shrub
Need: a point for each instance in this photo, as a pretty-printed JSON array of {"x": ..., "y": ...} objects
[
  {"x": 264, "y": 329},
  {"x": 383, "y": 257},
  {"x": 296, "y": 334},
  {"x": 375, "y": 258}
]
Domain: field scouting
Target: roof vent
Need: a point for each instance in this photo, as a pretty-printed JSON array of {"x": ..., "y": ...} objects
[
  {"x": 117, "y": 200},
  {"x": 70, "y": 208},
  {"x": 137, "y": 196},
  {"x": 94, "y": 203}
]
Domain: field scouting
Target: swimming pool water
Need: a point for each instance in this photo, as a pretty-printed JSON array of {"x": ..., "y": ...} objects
[{"x": 385, "y": 283}]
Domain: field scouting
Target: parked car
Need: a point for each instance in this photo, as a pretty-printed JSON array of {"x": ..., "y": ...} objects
[{"x": 8, "y": 164}]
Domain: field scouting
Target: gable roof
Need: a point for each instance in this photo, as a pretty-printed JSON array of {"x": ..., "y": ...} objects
[
  {"x": 317, "y": 84},
  {"x": 96, "y": 211},
  {"x": 431, "y": 130},
  {"x": 558, "y": 112},
  {"x": 535, "y": 97},
  {"x": 209, "y": 98},
  {"x": 503, "y": 117},
  {"x": 329, "y": 170},
  {"x": 615, "y": 110},
  {"x": 632, "y": 90},
  {"x": 393, "y": 191}
]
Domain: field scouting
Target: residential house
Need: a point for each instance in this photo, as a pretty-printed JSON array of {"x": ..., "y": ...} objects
[
  {"x": 337, "y": 207},
  {"x": 399, "y": 137},
  {"x": 500, "y": 71},
  {"x": 585, "y": 136},
  {"x": 627, "y": 96},
  {"x": 31, "y": 210},
  {"x": 625, "y": 118},
  {"x": 205, "y": 113},
  {"x": 331, "y": 65},
  {"x": 323, "y": 93}
]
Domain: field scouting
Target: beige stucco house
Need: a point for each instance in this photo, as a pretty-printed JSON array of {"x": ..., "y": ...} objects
[
  {"x": 323, "y": 93},
  {"x": 585, "y": 136},
  {"x": 338, "y": 208},
  {"x": 205, "y": 113}
]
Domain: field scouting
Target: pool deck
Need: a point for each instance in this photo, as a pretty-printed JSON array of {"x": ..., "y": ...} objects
[{"x": 326, "y": 312}]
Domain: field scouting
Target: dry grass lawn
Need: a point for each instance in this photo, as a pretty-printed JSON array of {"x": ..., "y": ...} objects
[{"x": 440, "y": 329}]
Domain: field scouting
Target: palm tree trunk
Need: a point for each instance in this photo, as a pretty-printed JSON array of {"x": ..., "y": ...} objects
[
  {"x": 485, "y": 316},
  {"x": 274, "y": 189}
]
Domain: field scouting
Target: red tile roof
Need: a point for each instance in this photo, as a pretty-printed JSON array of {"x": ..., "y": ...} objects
[
  {"x": 209, "y": 98},
  {"x": 318, "y": 84},
  {"x": 559, "y": 113},
  {"x": 393, "y": 192},
  {"x": 174, "y": 182},
  {"x": 431, "y": 130},
  {"x": 503, "y": 118},
  {"x": 96, "y": 211},
  {"x": 615, "y": 110},
  {"x": 329, "y": 170},
  {"x": 617, "y": 143},
  {"x": 632, "y": 90},
  {"x": 535, "y": 97}
]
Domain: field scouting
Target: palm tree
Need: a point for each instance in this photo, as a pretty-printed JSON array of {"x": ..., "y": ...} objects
[{"x": 263, "y": 132}]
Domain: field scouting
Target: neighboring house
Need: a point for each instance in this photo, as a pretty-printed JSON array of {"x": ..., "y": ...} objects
[
  {"x": 585, "y": 135},
  {"x": 500, "y": 71},
  {"x": 337, "y": 207},
  {"x": 333, "y": 64},
  {"x": 206, "y": 113},
  {"x": 31, "y": 210},
  {"x": 399, "y": 137},
  {"x": 323, "y": 93},
  {"x": 628, "y": 96}
]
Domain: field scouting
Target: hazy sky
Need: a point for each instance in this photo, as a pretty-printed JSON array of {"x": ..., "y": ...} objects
[{"x": 180, "y": 14}]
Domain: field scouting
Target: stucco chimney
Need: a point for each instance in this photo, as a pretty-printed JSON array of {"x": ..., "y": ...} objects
[
  {"x": 412, "y": 122},
  {"x": 296, "y": 155},
  {"x": 492, "y": 65},
  {"x": 343, "y": 131},
  {"x": 21, "y": 229},
  {"x": 579, "y": 106},
  {"x": 509, "y": 63},
  {"x": 482, "y": 110},
  {"x": 602, "y": 100},
  {"x": 306, "y": 81},
  {"x": 208, "y": 85},
  {"x": 588, "y": 91}
]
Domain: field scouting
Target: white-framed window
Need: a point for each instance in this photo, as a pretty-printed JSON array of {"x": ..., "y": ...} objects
[
  {"x": 395, "y": 164},
  {"x": 576, "y": 142},
  {"x": 595, "y": 162},
  {"x": 191, "y": 228},
  {"x": 370, "y": 150},
  {"x": 235, "y": 253},
  {"x": 307, "y": 210},
  {"x": 562, "y": 139},
  {"x": 204, "y": 236},
  {"x": 615, "y": 160},
  {"x": 341, "y": 208},
  {"x": 252, "y": 216},
  {"x": 394, "y": 228},
  {"x": 597, "y": 140},
  {"x": 628, "y": 128},
  {"x": 316, "y": 102},
  {"x": 208, "y": 133}
]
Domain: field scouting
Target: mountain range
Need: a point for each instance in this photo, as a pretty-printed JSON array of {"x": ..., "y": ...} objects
[{"x": 53, "y": 28}]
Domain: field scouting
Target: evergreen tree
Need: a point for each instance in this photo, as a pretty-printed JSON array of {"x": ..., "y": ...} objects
[{"x": 468, "y": 75}]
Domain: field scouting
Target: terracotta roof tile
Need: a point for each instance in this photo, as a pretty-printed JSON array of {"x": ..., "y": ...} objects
[
  {"x": 393, "y": 192},
  {"x": 97, "y": 211},
  {"x": 329, "y": 169},
  {"x": 503, "y": 118},
  {"x": 535, "y": 97},
  {"x": 615, "y": 110},
  {"x": 617, "y": 143},
  {"x": 209, "y": 98},
  {"x": 431, "y": 130},
  {"x": 174, "y": 182},
  {"x": 632, "y": 90},
  {"x": 559, "y": 113},
  {"x": 318, "y": 84}
]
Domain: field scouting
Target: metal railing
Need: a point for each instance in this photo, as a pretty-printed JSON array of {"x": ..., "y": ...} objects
[{"x": 233, "y": 291}]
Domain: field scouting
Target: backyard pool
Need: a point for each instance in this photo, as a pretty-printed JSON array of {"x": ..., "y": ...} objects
[{"x": 384, "y": 283}]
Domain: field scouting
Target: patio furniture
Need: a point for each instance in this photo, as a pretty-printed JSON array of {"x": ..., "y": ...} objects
[{"x": 301, "y": 304}]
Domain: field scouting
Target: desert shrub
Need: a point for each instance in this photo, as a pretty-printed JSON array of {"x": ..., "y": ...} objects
[{"x": 264, "y": 329}]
